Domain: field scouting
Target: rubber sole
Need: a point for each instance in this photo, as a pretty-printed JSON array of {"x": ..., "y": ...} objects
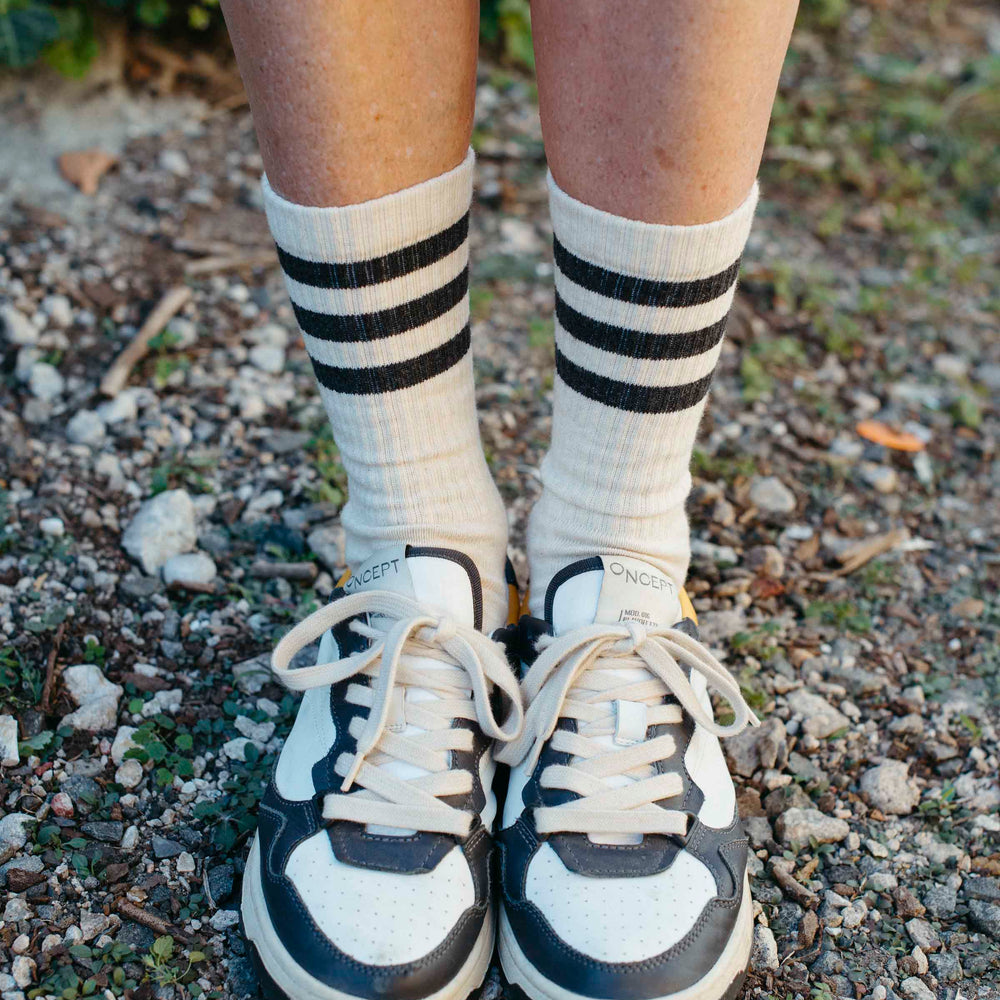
[
  {"x": 722, "y": 982},
  {"x": 282, "y": 978}
]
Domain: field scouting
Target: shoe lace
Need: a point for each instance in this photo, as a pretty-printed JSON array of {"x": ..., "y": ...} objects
[
  {"x": 401, "y": 634},
  {"x": 585, "y": 676}
]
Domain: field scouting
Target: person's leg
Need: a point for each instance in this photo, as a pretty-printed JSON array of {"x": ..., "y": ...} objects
[
  {"x": 364, "y": 115},
  {"x": 654, "y": 115}
]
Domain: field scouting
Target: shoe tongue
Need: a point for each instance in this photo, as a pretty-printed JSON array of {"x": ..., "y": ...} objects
[
  {"x": 441, "y": 580},
  {"x": 611, "y": 590}
]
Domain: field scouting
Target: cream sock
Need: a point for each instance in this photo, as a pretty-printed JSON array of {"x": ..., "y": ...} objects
[
  {"x": 640, "y": 314},
  {"x": 380, "y": 291}
]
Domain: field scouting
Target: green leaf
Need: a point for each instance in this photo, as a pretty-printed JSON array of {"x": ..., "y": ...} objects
[
  {"x": 162, "y": 948},
  {"x": 37, "y": 742},
  {"x": 153, "y": 12},
  {"x": 25, "y": 30},
  {"x": 184, "y": 741}
]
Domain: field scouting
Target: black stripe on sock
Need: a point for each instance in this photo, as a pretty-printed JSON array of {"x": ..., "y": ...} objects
[
  {"x": 627, "y": 395},
  {"x": 399, "y": 374},
  {"x": 361, "y": 273},
  {"x": 357, "y": 327},
  {"x": 635, "y": 343},
  {"x": 643, "y": 291}
]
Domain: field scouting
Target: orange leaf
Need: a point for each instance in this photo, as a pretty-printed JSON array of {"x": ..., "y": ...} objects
[{"x": 874, "y": 430}]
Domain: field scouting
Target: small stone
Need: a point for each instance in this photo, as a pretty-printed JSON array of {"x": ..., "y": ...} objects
[
  {"x": 96, "y": 696},
  {"x": 109, "y": 831},
  {"x": 235, "y": 749},
  {"x": 771, "y": 495},
  {"x": 21, "y": 944},
  {"x": 164, "y": 848},
  {"x": 45, "y": 382},
  {"x": 163, "y": 527},
  {"x": 800, "y": 826},
  {"x": 915, "y": 989},
  {"x": 922, "y": 934},
  {"x": 185, "y": 863},
  {"x": 124, "y": 407},
  {"x": 882, "y": 881},
  {"x": 940, "y": 900},
  {"x": 62, "y": 805},
  {"x": 222, "y": 919},
  {"x": 8, "y": 741},
  {"x": 191, "y": 569},
  {"x": 219, "y": 883},
  {"x": 86, "y": 428},
  {"x": 15, "y": 910},
  {"x": 175, "y": 162},
  {"x": 946, "y": 967},
  {"x": 889, "y": 788},
  {"x": 258, "y": 732},
  {"x": 267, "y": 358},
  {"x": 819, "y": 718},
  {"x": 93, "y": 924},
  {"x": 985, "y": 917},
  {"x": 17, "y": 328},
  {"x": 881, "y": 478},
  {"x": 764, "y": 955},
  {"x": 59, "y": 310},
  {"x": 251, "y": 675},
  {"x": 129, "y": 773},
  {"x": 23, "y": 970},
  {"x": 766, "y": 559},
  {"x": 52, "y": 527},
  {"x": 123, "y": 742},
  {"x": 328, "y": 543},
  {"x": 14, "y": 830},
  {"x": 758, "y": 747},
  {"x": 130, "y": 839}
]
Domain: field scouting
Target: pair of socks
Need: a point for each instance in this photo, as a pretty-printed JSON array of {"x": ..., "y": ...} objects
[{"x": 380, "y": 292}]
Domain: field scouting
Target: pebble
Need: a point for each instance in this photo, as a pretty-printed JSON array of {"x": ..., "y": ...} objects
[
  {"x": 166, "y": 848},
  {"x": 267, "y": 358},
  {"x": 96, "y": 696},
  {"x": 15, "y": 910},
  {"x": 758, "y": 747},
  {"x": 93, "y": 924},
  {"x": 800, "y": 826},
  {"x": 185, "y": 863},
  {"x": 881, "y": 478},
  {"x": 328, "y": 543},
  {"x": 23, "y": 970},
  {"x": 110, "y": 831},
  {"x": 86, "y": 427},
  {"x": 21, "y": 944},
  {"x": 915, "y": 989},
  {"x": 764, "y": 955},
  {"x": 189, "y": 569},
  {"x": 985, "y": 917},
  {"x": 258, "y": 732},
  {"x": 175, "y": 162},
  {"x": 163, "y": 527},
  {"x": 58, "y": 309},
  {"x": 940, "y": 900},
  {"x": 130, "y": 838},
  {"x": 14, "y": 828},
  {"x": 771, "y": 495},
  {"x": 890, "y": 788},
  {"x": 722, "y": 555},
  {"x": 922, "y": 934},
  {"x": 123, "y": 742},
  {"x": 124, "y": 407},
  {"x": 129, "y": 773},
  {"x": 251, "y": 675},
  {"x": 17, "y": 328},
  {"x": 223, "y": 919},
  {"x": 235, "y": 749},
  {"x": 819, "y": 718},
  {"x": 53, "y": 527},
  {"x": 8, "y": 741},
  {"x": 45, "y": 382},
  {"x": 62, "y": 805}
]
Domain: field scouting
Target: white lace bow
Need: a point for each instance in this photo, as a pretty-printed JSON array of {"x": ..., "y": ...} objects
[
  {"x": 580, "y": 676},
  {"x": 403, "y": 637}
]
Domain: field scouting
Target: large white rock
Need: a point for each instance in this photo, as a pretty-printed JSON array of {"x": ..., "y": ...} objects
[
  {"x": 45, "y": 382},
  {"x": 164, "y": 527},
  {"x": 123, "y": 742},
  {"x": 86, "y": 427}
]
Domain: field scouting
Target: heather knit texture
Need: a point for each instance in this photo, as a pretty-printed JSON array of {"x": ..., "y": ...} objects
[
  {"x": 380, "y": 292},
  {"x": 641, "y": 311}
]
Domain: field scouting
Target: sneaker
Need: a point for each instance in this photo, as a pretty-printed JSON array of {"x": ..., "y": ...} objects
[
  {"x": 623, "y": 856},
  {"x": 369, "y": 874}
]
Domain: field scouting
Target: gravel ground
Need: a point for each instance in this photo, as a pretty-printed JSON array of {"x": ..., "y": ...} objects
[{"x": 156, "y": 543}]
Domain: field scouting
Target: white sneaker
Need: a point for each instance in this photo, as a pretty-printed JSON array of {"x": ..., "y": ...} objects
[
  {"x": 369, "y": 875},
  {"x": 623, "y": 856}
]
